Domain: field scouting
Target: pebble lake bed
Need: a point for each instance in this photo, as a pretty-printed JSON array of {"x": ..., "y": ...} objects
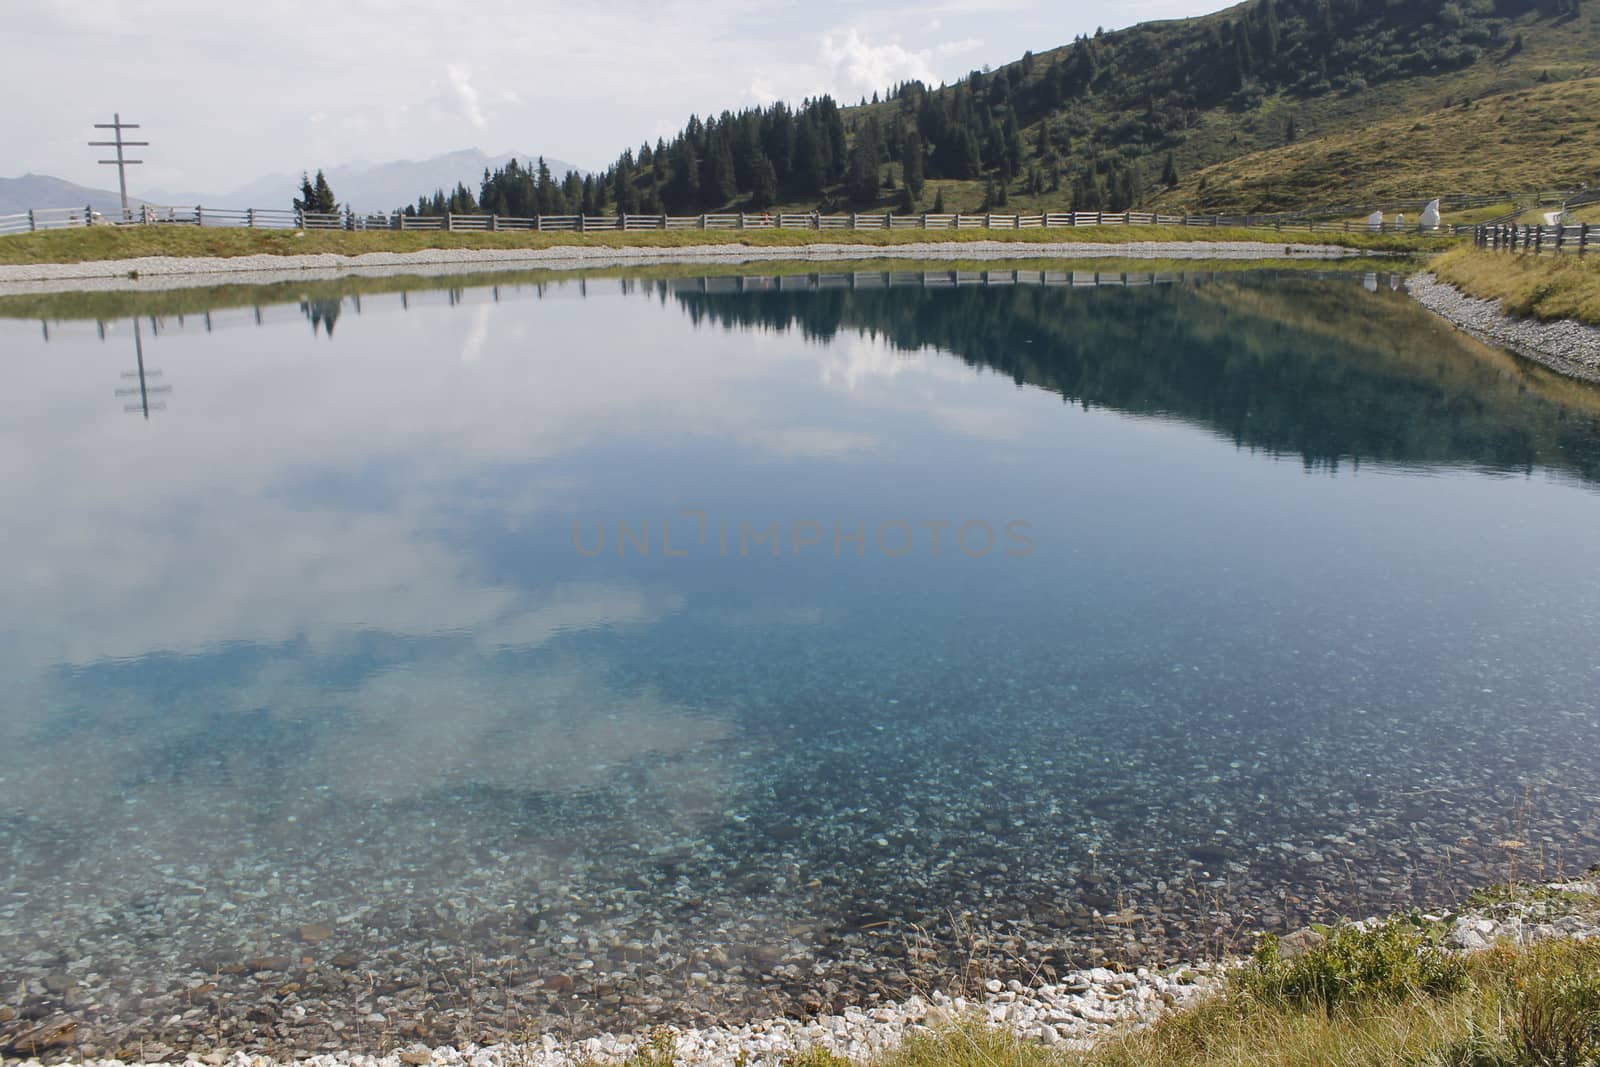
[{"x": 331, "y": 743}]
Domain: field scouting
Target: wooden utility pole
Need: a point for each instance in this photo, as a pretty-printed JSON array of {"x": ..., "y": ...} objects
[{"x": 122, "y": 163}]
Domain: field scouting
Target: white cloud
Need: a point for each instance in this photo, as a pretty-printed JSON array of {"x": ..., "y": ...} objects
[
  {"x": 466, "y": 96},
  {"x": 858, "y": 66}
]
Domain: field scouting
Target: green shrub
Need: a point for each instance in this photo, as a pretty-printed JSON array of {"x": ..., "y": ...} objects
[{"x": 1389, "y": 963}]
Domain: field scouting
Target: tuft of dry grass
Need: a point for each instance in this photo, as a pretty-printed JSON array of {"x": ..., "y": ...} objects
[{"x": 1546, "y": 285}]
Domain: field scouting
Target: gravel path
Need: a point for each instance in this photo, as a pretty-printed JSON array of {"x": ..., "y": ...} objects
[
  {"x": 1572, "y": 348},
  {"x": 277, "y": 268}
]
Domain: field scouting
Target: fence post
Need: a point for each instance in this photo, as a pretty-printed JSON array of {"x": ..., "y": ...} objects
[
  {"x": 702, "y": 222},
  {"x": 1099, "y": 218},
  {"x": 1583, "y": 237},
  {"x": 32, "y": 225},
  {"x": 741, "y": 220},
  {"x": 924, "y": 219},
  {"x": 88, "y": 215},
  {"x": 988, "y": 222},
  {"x": 494, "y": 223},
  {"x": 538, "y": 221},
  {"x": 199, "y": 215},
  {"x": 853, "y": 220},
  {"x": 663, "y": 220}
]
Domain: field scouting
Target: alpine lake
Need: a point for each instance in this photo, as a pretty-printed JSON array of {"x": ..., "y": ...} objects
[{"x": 459, "y": 659}]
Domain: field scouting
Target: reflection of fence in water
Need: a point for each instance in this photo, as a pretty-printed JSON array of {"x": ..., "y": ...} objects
[{"x": 323, "y": 313}]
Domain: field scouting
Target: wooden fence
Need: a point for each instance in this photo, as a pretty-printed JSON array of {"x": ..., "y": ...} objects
[
  {"x": 1572, "y": 237},
  {"x": 266, "y": 218}
]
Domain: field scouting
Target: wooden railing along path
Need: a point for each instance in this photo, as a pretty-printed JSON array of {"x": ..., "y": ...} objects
[{"x": 1571, "y": 237}]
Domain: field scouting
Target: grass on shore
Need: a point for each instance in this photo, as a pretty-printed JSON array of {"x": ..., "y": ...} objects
[
  {"x": 1359, "y": 999},
  {"x": 1547, "y": 285},
  {"x": 128, "y": 242}
]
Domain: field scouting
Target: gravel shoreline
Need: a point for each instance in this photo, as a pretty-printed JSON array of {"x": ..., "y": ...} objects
[
  {"x": 278, "y": 268},
  {"x": 1570, "y": 348},
  {"x": 1073, "y": 1012}
]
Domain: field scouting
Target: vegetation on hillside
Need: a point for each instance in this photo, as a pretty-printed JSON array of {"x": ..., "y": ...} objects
[
  {"x": 1544, "y": 137},
  {"x": 1102, "y": 123}
]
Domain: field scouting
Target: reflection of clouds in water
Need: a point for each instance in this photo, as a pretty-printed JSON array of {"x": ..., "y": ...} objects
[
  {"x": 923, "y": 382},
  {"x": 472, "y": 347},
  {"x": 280, "y": 738},
  {"x": 813, "y": 442},
  {"x": 453, "y": 725}
]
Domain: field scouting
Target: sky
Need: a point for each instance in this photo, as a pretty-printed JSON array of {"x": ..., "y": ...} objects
[{"x": 228, "y": 92}]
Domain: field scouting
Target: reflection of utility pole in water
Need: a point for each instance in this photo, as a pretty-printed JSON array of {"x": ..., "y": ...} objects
[{"x": 145, "y": 388}]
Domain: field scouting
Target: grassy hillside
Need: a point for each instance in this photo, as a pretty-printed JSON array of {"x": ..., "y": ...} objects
[
  {"x": 1541, "y": 137},
  {"x": 1107, "y": 121},
  {"x": 1172, "y": 90}
]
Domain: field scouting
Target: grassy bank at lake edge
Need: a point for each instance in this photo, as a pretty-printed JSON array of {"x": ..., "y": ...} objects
[
  {"x": 1545, "y": 286},
  {"x": 97, "y": 243},
  {"x": 1358, "y": 998}
]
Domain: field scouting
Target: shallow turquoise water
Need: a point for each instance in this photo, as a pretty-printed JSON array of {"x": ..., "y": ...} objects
[{"x": 522, "y": 638}]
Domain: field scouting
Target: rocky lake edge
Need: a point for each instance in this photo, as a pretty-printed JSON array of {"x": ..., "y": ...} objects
[
  {"x": 1073, "y": 1011},
  {"x": 1563, "y": 345}
]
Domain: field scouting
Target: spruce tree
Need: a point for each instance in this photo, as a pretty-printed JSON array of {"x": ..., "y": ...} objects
[
  {"x": 1169, "y": 172},
  {"x": 913, "y": 166},
  {"x": 938, "y": 202},
  {"x": 323, "y": 196},
  {"x": 764, "y": 183}
]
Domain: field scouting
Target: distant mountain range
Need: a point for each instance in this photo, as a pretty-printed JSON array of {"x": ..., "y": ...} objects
[
  {"x": 366, "y": 186},
  {"x": 41, "y": 191}
]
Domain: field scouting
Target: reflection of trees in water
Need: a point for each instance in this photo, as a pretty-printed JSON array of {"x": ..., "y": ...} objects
[
  {"x": 1291, "y": 366},
  {"x": 322, "y": 313}
]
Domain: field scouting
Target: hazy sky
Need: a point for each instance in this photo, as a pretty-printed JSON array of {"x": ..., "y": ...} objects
[{"x": 230, "y": 91}]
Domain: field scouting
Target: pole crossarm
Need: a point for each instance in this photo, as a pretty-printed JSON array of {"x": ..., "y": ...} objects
[{"x": 122, "y": 162}]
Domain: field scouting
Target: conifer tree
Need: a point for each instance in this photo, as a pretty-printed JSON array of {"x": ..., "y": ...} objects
[
  {"x": 325, "y": 200},
  {"x": 1169, "y": 172}
]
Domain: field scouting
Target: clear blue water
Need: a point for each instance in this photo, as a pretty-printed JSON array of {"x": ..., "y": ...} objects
[{"x": 316, "y": 676}]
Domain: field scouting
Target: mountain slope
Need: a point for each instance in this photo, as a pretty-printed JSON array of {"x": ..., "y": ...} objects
[
  {"x": 1544, "y": 137},
  {"x": 1104, "y": 122},
  {"x": 43, "y": 191}
]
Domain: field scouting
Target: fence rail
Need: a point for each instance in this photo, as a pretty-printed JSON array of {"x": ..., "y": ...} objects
[
  {"x": 1571, "y": 237},
  {"x": 269, "y": 218}
]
